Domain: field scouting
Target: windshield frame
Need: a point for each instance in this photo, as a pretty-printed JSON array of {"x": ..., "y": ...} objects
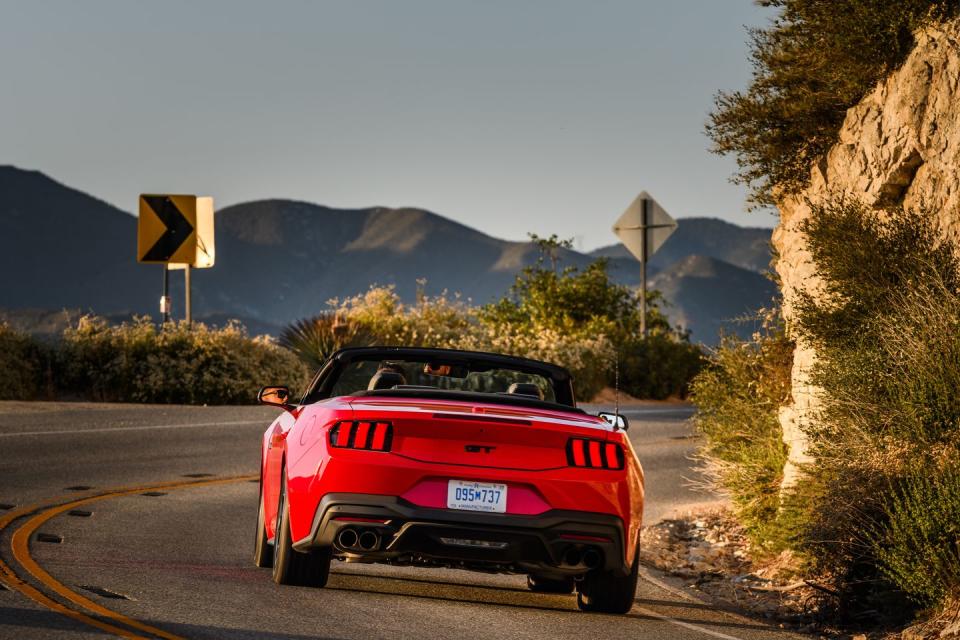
[{"x": 322, "y": 385}]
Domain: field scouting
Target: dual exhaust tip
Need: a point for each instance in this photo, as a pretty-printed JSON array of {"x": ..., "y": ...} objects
[
  {"x": 353, "y": 540},
  {"x": 590, "y": 557}
]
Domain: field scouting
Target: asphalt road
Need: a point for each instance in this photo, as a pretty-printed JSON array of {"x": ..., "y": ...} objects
[{"x": 174, "y": 561}]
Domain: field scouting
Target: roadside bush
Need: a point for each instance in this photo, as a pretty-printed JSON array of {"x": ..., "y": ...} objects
[
  {"x": 314, "y": 339},
  {"x": 886, "y": 329},
  {"x": 919, "y": 546},
  {"x": 443, "y": 322},
  {"x": 139, "y": 362},
  {"x": 578, "y": 319},
  {"x": 588, "y": 357},
  {"x": 577, "y": 306},
  {"x": 660, "y": 367},
  {"x": 738, "y": 396},
  {"x": 21, "y": 365},
  {"x": 432, "y": 321}
]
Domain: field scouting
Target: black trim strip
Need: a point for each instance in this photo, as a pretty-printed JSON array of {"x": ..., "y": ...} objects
[{"x": 479, "y": 417}]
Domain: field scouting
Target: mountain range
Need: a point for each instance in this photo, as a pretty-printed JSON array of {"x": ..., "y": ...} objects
[{"x": 280, "y": 260}]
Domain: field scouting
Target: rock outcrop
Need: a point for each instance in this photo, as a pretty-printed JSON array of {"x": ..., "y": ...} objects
[{"x": 899, "y": 145}]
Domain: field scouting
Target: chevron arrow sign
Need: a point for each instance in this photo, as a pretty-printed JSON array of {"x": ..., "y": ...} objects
[{"x": 175, "y": 229}]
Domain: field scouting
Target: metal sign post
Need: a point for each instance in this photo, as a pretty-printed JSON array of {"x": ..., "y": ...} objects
[
  {"x": 643, "y": 228},
  {"x": 643, "y": 268},
  {"x": 165, "y": 298},
  {"x": 186, "y": 286}
]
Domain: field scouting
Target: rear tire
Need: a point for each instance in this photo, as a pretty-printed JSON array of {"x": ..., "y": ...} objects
[
  {"x": 290, "y": 567},
  {"x": 262, "y": 550},
  {"x": 604, "y": 592},
  {"x": 539, "y": 584}
]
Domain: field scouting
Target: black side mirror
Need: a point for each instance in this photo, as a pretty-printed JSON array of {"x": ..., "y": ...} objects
[
  {"x": 617, "y": 420},
  {"x": 275, "y": 397}
]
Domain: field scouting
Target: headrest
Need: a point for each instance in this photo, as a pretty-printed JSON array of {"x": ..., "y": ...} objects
[
  {"x": 385, "y": 380},
  {"x": 526, "y": 389}
]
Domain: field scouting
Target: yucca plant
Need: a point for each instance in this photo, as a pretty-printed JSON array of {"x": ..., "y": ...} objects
[{"x": 314, "y": 339}]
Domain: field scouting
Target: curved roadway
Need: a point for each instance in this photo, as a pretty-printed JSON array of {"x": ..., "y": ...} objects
[{"x": 137, "y": 521}]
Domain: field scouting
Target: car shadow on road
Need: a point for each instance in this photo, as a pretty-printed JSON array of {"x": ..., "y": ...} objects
[{"x": 514, "y": 598}]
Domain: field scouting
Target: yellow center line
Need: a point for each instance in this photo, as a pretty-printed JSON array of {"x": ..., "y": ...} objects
[{"x": 20, "y": 545}]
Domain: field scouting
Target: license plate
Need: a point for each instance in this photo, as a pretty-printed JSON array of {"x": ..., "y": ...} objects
[{"x": 477, "y": 496}]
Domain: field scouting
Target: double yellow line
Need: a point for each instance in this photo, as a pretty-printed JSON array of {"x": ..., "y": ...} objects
[{"x": 84, "y": 609}]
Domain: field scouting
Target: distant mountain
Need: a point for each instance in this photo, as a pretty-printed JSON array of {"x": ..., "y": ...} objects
[
  {"x": 707, "y": 295},
  {"x": 60, "y": 248},
  {"x": 745, "y": 247},
  {"x": 279, "y": 260}
]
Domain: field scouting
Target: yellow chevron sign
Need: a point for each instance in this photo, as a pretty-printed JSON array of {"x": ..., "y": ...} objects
[{"x": 176, "y": 230}]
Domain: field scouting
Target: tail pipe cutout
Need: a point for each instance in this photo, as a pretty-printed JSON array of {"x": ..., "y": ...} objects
[{"x": 358, "y": 540}]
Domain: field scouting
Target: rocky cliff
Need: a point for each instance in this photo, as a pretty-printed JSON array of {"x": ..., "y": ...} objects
[{"x": 899, "y": 145}]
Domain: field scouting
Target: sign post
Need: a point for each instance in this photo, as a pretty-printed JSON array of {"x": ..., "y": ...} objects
[
  {"x": 643, "y": 228},
  {"x": 176, "y": 231},
  {"x": 165, "y": 298}
]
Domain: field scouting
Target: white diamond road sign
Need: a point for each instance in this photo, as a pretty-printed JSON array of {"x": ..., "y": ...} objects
[{"x": 644, "y": 219}]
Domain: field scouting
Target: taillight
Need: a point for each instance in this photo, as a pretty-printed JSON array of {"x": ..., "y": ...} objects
[
  {"x": 372, "y": 436},
  {"x": 594, "y": 454}
]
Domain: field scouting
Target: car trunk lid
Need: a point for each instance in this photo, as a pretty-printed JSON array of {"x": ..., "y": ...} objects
[{"x": 479, "y": 435}]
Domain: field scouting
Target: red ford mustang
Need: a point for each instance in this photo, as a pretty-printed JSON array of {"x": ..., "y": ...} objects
[{"x": 441, "y": 458}]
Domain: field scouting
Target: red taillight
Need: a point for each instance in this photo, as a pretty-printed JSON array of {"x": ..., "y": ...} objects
[
  {"x": 594, "y": 454},
  {"x": 371, "y": 436}
]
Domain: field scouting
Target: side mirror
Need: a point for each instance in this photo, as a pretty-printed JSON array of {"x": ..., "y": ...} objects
[
  {"x": 275, "y": 397},
  {"x": 616, "y": 420}
]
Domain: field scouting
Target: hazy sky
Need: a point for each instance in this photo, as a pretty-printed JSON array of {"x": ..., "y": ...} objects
[{"x": 509, "y": 116}]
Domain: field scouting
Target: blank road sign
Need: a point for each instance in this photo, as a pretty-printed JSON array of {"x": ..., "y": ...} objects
[{"x": 644, "y": 217}]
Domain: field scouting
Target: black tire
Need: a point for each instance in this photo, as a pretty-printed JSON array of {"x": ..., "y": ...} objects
[
  {"x": 604, "y": 592},
  {"x": 262, "y": 550},
  {"x": 290, "y": 567},
  {"x": 539, "y": 584}
]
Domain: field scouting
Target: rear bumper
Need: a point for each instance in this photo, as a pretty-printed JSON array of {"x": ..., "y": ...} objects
[{"x": 545, "y": 544}]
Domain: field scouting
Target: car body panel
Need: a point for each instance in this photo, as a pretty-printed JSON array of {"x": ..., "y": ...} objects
[{"x": 435, "y": 441}]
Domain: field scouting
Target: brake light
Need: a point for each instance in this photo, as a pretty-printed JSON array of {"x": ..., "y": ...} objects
[
  {"x": 371, "y": 436},
  {"x": 594, "y": 454}
]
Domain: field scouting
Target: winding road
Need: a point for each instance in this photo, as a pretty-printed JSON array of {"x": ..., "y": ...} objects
[{"x": 137, "y": 521}]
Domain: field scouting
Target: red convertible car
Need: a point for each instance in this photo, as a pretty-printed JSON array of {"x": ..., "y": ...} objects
[{"x": 441, "y": 458}]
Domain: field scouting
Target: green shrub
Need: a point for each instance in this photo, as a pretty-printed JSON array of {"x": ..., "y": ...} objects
[
  {"x": 574, "y": 308},
  {"x": 919, "y": 545},
  {"x": 432, "y": 321},
  {"x": 660, "y": 367},
  {"x": 578, "y": 319},
  {"x": 738, "y": 396},
  {"x": 139, "y": 362},
  {"x": 21, "y": 365},
  {"x": 816, "y": 59},
  {"x": 886, "y": 329},
  {"x": 444, "y": 322},
  {"x": 314, "y": 339},
  {"x": 589, "y": 356}
]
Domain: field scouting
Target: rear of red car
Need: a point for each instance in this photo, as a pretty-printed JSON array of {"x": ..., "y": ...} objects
[
  {"x": 475, "y": 486},
  {"x": 549, "y": 492}
]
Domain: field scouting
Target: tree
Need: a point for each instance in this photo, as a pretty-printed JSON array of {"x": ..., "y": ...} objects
[
  {"x": 817, "y": 59},
  {"x": 571, "y": 299}
]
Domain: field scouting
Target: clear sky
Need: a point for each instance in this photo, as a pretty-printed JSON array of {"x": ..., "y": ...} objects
[{"x": 507, "y": 115}]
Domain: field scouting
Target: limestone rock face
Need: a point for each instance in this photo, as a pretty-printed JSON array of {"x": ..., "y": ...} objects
[{"x": 899, "y": 145}]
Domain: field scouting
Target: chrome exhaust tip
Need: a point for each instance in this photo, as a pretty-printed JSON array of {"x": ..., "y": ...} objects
[
  {"x": 347, "y": 538},
  {"x": 592, "y": 558},
  {"x": 368, "y": 541}
]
